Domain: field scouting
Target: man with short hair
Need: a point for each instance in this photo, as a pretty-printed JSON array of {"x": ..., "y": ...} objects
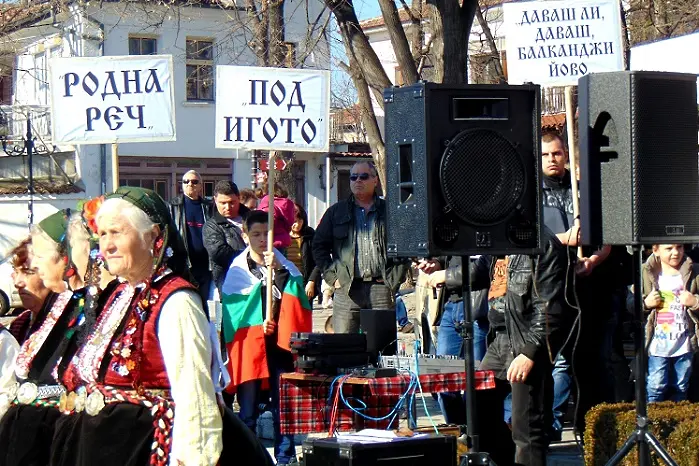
[
  {"x": 190, "y": 211},
  {"x": 558, "y": 194},
  {"x": 223, "y": 231},
  {"x": 349, "y": 247}
]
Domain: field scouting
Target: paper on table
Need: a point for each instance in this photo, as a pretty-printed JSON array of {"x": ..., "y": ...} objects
[{"x": 374, "y": 436}]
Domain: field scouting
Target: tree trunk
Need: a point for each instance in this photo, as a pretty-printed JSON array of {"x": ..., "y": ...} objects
[
  {"x": 277, "y": 51},
  {"x": 490, "y": 40},
  {"x": 625, "y": 40},
  {"x": 451, "y": 25},
  {"x": 358, "y": 48},
  {"x": 378, "y": 148},
  {"x": 399, "y": 42},
  {"x": 417, "y": 32},
  {"x": 260, "y": 42}
]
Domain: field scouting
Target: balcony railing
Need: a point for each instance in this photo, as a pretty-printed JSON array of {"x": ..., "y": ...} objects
[
  {"x": 13, "y": 121},
  {"x": 553, "y": 100}
]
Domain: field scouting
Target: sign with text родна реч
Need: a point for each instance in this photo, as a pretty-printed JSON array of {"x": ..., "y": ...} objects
[
  {"x": 272, "y": 108},
  {"x": 102, "y": 100},
  {"x": 554, "y": 43}
]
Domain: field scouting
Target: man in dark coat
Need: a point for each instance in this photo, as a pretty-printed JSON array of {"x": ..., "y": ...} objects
[
  {"x": 190, "y": 211},
  {"x": 349, "y": 247},
  {"x": 223, "y": 231}
]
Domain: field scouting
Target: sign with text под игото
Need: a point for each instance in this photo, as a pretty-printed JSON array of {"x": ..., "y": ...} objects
[
  {"x": 554, "y": 43},
  {"x": 101, "y": 100},
  {"x": 272, "y": 108}
]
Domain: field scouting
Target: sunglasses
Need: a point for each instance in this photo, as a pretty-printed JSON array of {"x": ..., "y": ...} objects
[
  {"x": 194, "y": 182},
  {"x": 360, "y": 176}
]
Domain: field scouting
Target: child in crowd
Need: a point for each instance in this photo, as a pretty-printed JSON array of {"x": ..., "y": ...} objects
[
  {"x": 670, "y": 296},
  {"x": 283, "y": 213},
  {"x": 258, "y": 339},
  {"x": 248, "y": 198}
]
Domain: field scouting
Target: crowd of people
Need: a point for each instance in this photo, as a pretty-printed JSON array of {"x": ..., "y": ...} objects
[{"x": 144, "y": 320}]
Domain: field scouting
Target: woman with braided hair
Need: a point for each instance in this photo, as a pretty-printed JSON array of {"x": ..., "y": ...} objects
[
  {"x": 140, "y": 386},
  {"x": 26, "y": 429}
]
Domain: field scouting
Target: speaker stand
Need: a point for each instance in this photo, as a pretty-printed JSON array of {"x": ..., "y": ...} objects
[
  {"x": 641, "y": 436},
  {"x": 474, "y": 456}
]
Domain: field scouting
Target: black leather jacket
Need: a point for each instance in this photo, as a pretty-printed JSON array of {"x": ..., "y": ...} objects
[
  {"x": 454, "y": 285},
  {"x": 223, "y": 241},
  {"x": 538, "y": 317},
  {"x": 334, "y": 246},
  {"x": 177, "y": 213}
]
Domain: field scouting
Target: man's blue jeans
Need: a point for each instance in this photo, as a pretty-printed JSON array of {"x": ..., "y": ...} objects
[
  {"x": 450, "y": 342},
  {"x": 401, "y": 311},
  {"x": 561, "y": 391},
  {"x": 668, "y": 378}
]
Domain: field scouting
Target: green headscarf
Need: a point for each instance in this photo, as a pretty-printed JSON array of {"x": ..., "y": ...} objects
[
  {"x": 171, "y": 252},
  {"x": 55, "y": 225}
]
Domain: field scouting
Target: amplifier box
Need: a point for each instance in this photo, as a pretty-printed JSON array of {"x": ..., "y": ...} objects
[
  {"x": 424, "y": 364},
  {"x": 434, "y": 450}
]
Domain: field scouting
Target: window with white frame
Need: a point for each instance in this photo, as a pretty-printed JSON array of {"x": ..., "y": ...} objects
[
  {"x": 143, "y": 45},
  {"x": 200, "y": 69},
  {"x": 41, "y": 85}
]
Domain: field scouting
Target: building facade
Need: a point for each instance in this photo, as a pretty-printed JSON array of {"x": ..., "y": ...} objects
[{"x": 199, "y": 36}]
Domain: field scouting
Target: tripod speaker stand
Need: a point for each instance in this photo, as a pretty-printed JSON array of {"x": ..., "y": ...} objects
[{"x": 640, "y": 436}]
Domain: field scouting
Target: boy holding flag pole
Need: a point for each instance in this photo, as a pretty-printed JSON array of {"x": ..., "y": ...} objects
[{"x": 257, "y": 331}]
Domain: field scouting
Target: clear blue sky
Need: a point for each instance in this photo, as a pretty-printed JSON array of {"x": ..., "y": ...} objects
[{"x": 367, "y": 9}]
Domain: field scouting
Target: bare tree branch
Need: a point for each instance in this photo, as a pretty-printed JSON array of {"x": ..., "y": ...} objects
[
  {"x": 490, "y": 40},
  {"x": 399, "y": 41}
]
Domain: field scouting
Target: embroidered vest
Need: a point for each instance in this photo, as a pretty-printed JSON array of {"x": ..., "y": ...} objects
[
  {"x": 84, "y": 367},
  {"x": 136, "y": 357},
  {"x": 33, "y": 345}
]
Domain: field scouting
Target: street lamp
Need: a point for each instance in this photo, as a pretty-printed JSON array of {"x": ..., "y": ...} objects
[{"x": 29, "y": 147}]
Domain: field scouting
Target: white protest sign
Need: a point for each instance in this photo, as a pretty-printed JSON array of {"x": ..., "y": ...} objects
[
  {"x": 101, "y": 100},
  {"x": 554, "y": 43},
  {"x": 272, "y": 108}
]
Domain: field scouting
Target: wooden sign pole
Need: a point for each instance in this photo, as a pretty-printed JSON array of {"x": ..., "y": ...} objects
[
  {"x": 115, "y": 166},
  {"x": 572, "y": 156},
  {"x": 270, "y": 231}
]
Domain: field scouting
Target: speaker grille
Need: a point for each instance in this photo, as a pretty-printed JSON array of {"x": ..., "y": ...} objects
[
  {"x": 664, "y": 144},
  {"x": 482, "y": 175}
]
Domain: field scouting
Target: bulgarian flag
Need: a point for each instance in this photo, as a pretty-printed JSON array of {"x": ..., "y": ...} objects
[{"x": 242, "y": 318}]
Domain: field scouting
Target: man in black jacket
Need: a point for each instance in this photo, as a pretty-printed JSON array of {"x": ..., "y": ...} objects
[
  {"x": 350, "y": 249},
  {"x": 190, "y": 211},
  {"x": 536, "y": 320},
  {"x": 223, "y": 231}
]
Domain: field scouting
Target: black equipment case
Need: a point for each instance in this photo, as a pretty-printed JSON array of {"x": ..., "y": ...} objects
[
  {"x": 434, "y": 450},
  {"x": 308, "y": 344},
  {"x": 330, "y": 363}
]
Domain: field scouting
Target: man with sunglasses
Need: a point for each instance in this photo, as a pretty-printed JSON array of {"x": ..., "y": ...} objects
[
  {"x": 350, "y": 248},
  {"x": 190, "y": 211}
]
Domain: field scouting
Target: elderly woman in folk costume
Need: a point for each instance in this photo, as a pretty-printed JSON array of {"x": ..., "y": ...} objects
[
  {"x": 27, "y": 427},
  {"x": 143, "y": 375},
  {"x": 36, "y": 301},
  {"x": 35, "y": 296}
]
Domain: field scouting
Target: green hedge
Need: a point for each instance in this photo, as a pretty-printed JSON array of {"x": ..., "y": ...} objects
[{"x": 675, "y": 425}]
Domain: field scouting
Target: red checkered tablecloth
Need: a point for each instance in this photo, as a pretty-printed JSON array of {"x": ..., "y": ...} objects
[{"x": 305, "y": 403}]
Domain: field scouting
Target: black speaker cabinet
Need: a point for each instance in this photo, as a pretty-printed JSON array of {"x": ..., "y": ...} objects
[
  {"x": 462, "y": 169},
  {"x": 639, "y": 172}
]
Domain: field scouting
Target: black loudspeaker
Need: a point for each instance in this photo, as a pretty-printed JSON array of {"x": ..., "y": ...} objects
[
  {"x": 462, "y": 169},
  {"x": 639, "y": 172}
]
